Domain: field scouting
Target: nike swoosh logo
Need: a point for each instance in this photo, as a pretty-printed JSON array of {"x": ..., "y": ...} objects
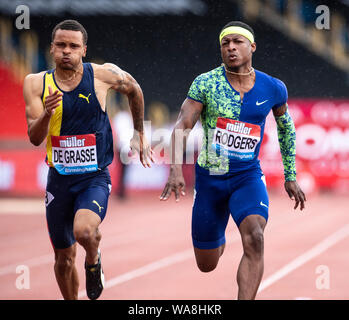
[
  {"x": 264, "y": 205},
  {"x": 259, "y": 103}
]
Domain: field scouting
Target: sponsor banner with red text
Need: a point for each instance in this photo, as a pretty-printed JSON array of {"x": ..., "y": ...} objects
[
  {"x": 23, "y": 172},
  {"x": 322, "y": 130}
]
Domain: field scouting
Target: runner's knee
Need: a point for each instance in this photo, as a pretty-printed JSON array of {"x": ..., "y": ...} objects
[
  {"x": 253, "y": 242},
  {"x": 64, "y": 263},
  {"x": 206, "y": 267},
  {"x": 207, "y": 260},
  {"x": 84, "y": 235}
]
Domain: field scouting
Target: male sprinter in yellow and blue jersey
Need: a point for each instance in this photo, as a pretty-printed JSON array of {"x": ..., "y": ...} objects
[
  {"x": 67, "y": 106},
  {"x": 233, "y": 101}
]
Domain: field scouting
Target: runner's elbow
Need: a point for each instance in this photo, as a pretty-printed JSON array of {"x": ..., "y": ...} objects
[
  {"x": 184, "y": 124},
  {"x": 34, "y": 140}
]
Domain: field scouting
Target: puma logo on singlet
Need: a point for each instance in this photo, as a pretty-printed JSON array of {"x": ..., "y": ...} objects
[
  {"x": 97, "y": 204},
  {"x": 84, "y": 97}
]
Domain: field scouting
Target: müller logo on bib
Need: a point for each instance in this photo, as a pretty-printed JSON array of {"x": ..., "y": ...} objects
[
  {"x": 236, "y": 139},
  {"x": 74, "y": 154}
]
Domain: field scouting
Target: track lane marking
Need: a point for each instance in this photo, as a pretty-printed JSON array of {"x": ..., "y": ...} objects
[
  {"x": 151, "y": 267},
  {"x": 321, "y": 247}
]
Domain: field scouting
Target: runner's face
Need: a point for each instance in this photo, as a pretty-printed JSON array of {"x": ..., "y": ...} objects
[
  {"x": 236, "y": 50},
  {"x": 68, "y": 49}
]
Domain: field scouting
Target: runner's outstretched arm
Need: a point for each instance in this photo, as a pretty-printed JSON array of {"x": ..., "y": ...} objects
[
  {"x": 287, "y": 140},
  {"x": 187, "y": 118},
  {"x": 124, "y": 83}
]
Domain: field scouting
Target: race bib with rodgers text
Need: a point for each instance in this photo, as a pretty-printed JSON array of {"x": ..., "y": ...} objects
[{"x": 236, "y": 139}]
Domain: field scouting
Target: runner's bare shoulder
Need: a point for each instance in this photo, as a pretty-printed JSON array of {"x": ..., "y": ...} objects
[
  {"x": 107, "y": 72},
  {"x": 34, "y": 83}
]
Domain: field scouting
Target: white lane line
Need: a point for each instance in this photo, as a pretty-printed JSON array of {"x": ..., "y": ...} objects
[
  {"x": 159, "y": 264},
  {"x": 108, "y": 242},
  {"x": 49, "y": 258},
  {"x": 146, "y": 269},
  {"x": 37, "y": 261},
  {"x": 305, "y": 257},
  {"x": 154, "y": 266},
  {"x": 119, "y": 240},
  {"x": 22, "y": 206}
]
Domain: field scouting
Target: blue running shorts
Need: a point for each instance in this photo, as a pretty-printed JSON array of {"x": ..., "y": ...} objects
[
  {"x": 66, "y": 194},
  {"x": 217, "y": 196}
]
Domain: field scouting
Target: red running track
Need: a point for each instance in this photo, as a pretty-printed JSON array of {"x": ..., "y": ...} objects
[{"x": 147, "y": 251}]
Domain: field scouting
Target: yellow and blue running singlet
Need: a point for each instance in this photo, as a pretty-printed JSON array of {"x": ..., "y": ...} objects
[
  {"x": 80, "y": 137},
  {"x": 79, "y": 149}
]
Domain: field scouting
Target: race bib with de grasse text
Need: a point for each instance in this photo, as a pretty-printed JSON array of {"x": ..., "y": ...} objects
[{"x": 74, "y": 154}]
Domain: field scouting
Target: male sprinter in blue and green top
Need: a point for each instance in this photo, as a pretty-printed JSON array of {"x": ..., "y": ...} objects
[
  {"x": 233, "y": 101},
  {"x": 67, "y": 106}
]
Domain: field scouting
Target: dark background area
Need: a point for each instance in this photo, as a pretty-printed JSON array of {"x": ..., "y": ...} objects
[{"x": 165, "y": 53}]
